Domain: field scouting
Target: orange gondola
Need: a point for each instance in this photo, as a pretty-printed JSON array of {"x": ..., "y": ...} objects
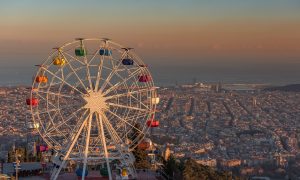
[
  {"x": 145, "y": 144},
  {"x": 41, "y": 79}
]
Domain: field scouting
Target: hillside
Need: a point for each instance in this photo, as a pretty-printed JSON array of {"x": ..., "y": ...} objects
[{"x": 287, "y": 88}]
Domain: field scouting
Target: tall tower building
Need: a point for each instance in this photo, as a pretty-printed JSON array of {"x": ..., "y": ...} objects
[
  {"x": 254, "y": 102},
  {"x": 167, "y": 152}
]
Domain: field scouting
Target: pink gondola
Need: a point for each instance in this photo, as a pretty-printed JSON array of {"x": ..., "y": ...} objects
[{"x": 145, "y": 78}]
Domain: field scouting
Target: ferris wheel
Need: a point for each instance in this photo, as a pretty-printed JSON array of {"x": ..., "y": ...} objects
[{"x": 94, "y": 101}]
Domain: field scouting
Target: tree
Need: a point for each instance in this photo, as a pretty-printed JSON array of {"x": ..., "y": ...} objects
[
  {"x": 141, "y": 159},
  {"x": 171, "y": 166},
  {"x": 194, "y": 171},
  {"x": 135, "y": 135},
  {"x": 18, "y": 151}
]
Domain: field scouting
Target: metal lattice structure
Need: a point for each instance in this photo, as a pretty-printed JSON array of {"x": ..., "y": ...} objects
[{"x": 93, "y": 100}]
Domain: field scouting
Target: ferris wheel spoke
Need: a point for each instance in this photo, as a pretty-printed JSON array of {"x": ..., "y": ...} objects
[
  {"x": 124, "y": 120},
  {"x": 126, "y": 94},
  {"x": 104, "y": 144},
  {"x": 86, "y": 63},
  {"x": 67, "y": 119},
  {"x": 63, "y": 81},
  {"x": 99, "y": 73},
  {"x": 87, "y": 142},
  {"x": 140, "y": 103},
  {"x": 53, "y": 93},
  {"x": 88, "y": 73},
  {"x": 109, "y": 77},
  {"x": 129, "y": 107},
  {"x": 96, "y": 52},
  {"x": 115, "y": 138},
  {"x": 99, "y": 69},
  {"x": 55, "y": 109},
  {"x": 111, "y": 74},
  {"x": 44, "y": 112},
  {"x": 48, "y": 102},
  {"x": 99, "y": 128},
  {"x": 69, "y": 150},
  {"x": 111, "y": 130},
  {"x": 71, "y": 67},
  {"x": 68, "y": 105},
  {"x": 72, "y": 57},
  {"x": 55, "y": 128},
  {"x": 120, "y": 83},
  {"x": 132, "y": 118}
]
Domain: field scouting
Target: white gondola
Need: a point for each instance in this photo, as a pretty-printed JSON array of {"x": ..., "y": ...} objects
[
  {"x": 32, "y": 125},
  {"x": 155, "y": 100}
]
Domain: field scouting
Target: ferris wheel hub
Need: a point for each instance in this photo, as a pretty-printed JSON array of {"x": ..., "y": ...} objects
[{"x": 95, "y": 102}]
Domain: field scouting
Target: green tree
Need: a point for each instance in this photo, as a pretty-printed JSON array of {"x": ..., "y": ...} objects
[
  {"x": 141, "y": 159},
  {"x": 194, "y": 171},
  {"x": 12, "y": 155},
  {"x": 135, "y": 135},
  {"x": 173, "y": 167}
]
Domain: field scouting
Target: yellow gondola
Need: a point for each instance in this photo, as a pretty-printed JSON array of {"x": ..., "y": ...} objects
[{"x": 59, "y": 61}]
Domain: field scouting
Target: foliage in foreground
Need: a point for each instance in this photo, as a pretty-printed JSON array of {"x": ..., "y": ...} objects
[
  {"x": 194, "y": 171},
  {"x": 191, "y": 170},
  {"x": 141, "y": 159}
]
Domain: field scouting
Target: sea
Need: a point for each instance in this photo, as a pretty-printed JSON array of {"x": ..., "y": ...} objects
[{"x": 169, "y": 75}]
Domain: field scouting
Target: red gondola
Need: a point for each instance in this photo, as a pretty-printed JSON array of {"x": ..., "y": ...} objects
[
  {"x": 144, "y": 78},
  {"x": 153, "y": 123},
  {"x": 32, "y": 101},
  {"x": 42, "y": 148}
]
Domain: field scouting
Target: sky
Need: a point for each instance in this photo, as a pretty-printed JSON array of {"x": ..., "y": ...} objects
[{"x": 224, "y": 35}]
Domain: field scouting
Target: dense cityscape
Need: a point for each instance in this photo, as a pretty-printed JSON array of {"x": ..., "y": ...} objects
[
  {"x": 242, "y": 129},
  {"x": 150, "y": 90},
  {"x": 252, "y": 130}
]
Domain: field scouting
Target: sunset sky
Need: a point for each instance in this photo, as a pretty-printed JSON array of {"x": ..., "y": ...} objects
[{"x": 162, "y": 32}]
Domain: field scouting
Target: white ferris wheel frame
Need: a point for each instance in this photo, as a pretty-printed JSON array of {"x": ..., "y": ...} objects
[{"x": 101, "y": 96}]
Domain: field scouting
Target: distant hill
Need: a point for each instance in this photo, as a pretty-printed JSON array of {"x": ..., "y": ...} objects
[{"x": 288, "y": 88}]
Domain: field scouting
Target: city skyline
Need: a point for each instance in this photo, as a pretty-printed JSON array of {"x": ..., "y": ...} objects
[{"x": 142, "y": 89}]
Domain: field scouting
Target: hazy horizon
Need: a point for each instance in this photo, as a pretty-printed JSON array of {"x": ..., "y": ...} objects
[
  {"x": 165, "y": 75},
  {"x": 228, "y": 41}
]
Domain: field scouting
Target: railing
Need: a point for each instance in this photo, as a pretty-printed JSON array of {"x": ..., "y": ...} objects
[{"x": 156, "y": 173}]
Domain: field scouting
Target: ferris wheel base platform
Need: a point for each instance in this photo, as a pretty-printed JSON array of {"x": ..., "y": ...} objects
[{"x": 93, "y": 175}]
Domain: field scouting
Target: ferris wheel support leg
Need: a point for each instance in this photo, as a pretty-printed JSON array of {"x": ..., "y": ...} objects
[
  {"x": 55, "y": 173},
  {"x": 117, "y": 140},
  {"x": 87, "y": 144},
  {"x": 104, "y": 146}
]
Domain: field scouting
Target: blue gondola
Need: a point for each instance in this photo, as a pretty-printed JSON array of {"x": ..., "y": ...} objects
[
  {"x": 79, "y": 172},
  {"x": 105, "y": 52},
  {"x": 127, "y": 61}
]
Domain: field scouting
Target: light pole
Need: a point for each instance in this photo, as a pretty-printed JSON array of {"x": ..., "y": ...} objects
[{"x": 17, "y": 163}]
